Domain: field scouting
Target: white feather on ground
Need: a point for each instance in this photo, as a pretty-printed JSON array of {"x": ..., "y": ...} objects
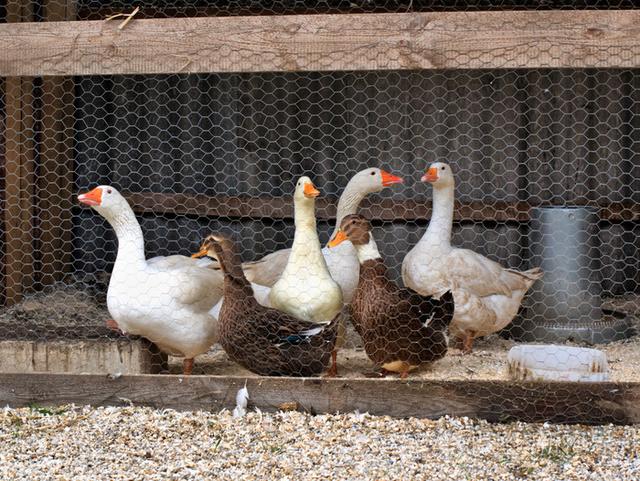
[{"x": 242, "y": 399}]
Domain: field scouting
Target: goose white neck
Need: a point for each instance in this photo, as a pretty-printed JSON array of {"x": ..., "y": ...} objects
[
  {"x": 306, "y": 244},
  {"x": 348, "y": 203},
  {"x": 439, "y": 230},
  {"x": 304, "y": 215},
  {"x": 129, "y": 234},
  {"x": 368, "y": 251}
]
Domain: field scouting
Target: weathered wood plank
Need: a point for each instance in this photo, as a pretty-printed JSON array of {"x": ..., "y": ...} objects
[
  {"x": 81, "y": 356},
  {"x": 499, "y": 401},
  {"x": 440, "y": 40},
  {"x": 382, "y": 209}
]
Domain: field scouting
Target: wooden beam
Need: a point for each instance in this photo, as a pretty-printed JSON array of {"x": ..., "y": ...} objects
[
  {"x": 498, "y": 401},
  {"x": 19, "y": 176},
  {"x": 382, "y": 209},
  {"x": 440, "y": 40},
  {"x": 55, "y": 179},
  {"x": 19, "y": 145},
  {"x": 2, "y": 195}
]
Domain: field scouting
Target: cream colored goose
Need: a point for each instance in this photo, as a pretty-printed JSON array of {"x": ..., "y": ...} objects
[
  {"x": 487, "y": 296},
  {"x": 342, "y": 261},
  {"x": 306, "y": 289},
  {"x": 165, "y": 299}
]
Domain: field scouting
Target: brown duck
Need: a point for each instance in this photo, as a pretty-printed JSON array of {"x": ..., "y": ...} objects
[
  {"x": 401, "y": 329},
  {"x": 264, "y": 340}
]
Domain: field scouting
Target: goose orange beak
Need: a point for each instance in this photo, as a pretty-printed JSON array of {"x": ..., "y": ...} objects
[
  {"x": 91, "y": 198},
  {"x": 203, "y": 252},
  {"x": 431, "y": 175},
  {"x": 310, "y": 190},
  {"x": 390, "y": 179},
  {"x": 339, "y": 238}
]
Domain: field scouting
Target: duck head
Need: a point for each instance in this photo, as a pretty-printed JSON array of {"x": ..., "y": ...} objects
[
  {"x": 354, "y": 228},
  {"x": 373, "y": 179},
  {"x": 223, "y": 250},
  {"x": 106, "y": 200},
  {"x": 439, "y": 175},
  {"x": 214, "y": 246}
]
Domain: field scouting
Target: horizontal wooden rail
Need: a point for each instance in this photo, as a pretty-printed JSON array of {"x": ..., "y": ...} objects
[
  {"x": 383, "y": 209},
  {"x": 438, "y": 40},
  {"x": 500, "y": 401}
]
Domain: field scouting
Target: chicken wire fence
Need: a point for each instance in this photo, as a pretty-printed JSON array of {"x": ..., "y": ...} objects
[{"x": 536, "y": 169}]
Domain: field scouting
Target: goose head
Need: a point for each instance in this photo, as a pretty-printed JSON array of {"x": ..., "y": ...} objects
[
  {"x": 373, "y": 179},
  {"x": 305, "y": 192},
  {"x": 354, "y": 228},
  {"x": 439, "y": 175},
  {"x": 106, "y": 200}
]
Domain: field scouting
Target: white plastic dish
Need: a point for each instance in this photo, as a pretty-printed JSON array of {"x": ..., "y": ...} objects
[{"x": 549, "y": 362}]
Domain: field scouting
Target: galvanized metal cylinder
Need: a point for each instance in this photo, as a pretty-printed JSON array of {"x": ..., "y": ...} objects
[
  {"x": 564, "y": 243},
  {"x": 566, "y": 303}
]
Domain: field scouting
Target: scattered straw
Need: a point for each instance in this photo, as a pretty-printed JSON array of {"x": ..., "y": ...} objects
[{"x": 129, "y": 17}]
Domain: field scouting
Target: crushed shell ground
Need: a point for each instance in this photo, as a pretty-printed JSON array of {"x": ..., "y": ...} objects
[{"x": 136, "y": 443}]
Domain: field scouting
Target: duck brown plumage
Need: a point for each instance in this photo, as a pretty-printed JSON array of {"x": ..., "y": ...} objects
[
  {"x": 264, "y": 340},
  {"x": 400, "y": 328}
]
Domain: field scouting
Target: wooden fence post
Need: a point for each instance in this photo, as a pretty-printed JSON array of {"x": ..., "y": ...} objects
[
  {"x": 19, "y": 173},
  {"x": 55, "y": 180}
]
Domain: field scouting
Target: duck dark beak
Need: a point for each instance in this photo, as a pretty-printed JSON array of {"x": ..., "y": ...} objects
[{"x": 339, "y": 238}]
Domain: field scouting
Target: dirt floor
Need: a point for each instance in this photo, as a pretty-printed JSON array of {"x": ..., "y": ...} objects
[
  {"x": 76, "y": 314},
  {"x": 487, "y": 362}
]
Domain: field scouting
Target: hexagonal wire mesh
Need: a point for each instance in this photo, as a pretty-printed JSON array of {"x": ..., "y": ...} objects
[{"x": 547, "y": 174}]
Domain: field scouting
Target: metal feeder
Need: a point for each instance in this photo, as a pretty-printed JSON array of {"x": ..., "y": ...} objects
[{"x": 566, "y": 303}]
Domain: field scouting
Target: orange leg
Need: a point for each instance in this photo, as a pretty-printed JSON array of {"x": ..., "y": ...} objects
[
  {"x": 467, "y": 342},
  {"x": 187, "y": 366},
  {"x": 333, "y": 370},
  {"x": 405, "y": 373},
  {"x": 113, "y": 325}
]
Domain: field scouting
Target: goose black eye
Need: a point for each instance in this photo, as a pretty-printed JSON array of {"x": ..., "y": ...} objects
[
  {"x": 108, "y": 191},
  {"x": 442, "y": 168},
  {"x": 373, "y": 173}
]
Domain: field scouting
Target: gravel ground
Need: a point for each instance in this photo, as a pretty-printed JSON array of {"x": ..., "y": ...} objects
[{"x": 135, "y": 443}]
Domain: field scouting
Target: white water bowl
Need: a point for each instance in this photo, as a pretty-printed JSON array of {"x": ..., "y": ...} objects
[{"x": 549, "y": 362}]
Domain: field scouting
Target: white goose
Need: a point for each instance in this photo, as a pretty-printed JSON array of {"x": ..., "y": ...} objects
[
  {"x": 487, "y": 296},
  {"x": 165, "y": 299},
  {"x": 342, "y": 260},
  {"x": 306, "y": 289}
]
